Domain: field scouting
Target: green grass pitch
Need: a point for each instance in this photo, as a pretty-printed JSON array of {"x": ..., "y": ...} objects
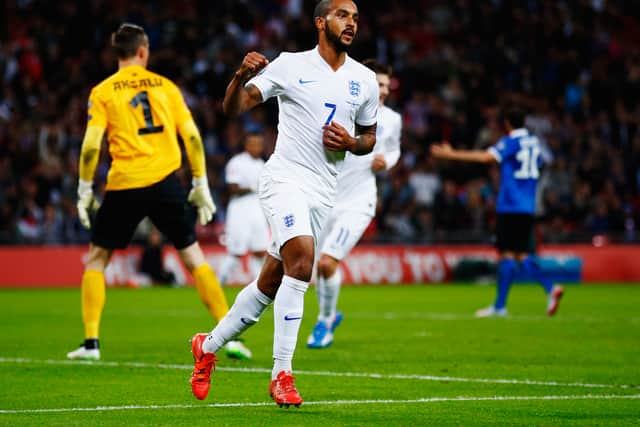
[{"x": 404, "y": 355}]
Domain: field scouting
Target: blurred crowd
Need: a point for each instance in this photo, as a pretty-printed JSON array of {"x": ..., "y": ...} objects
[{"x": 574, "y": 65}]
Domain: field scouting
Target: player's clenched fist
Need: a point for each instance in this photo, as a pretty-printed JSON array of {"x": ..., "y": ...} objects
[
  {"x": 378, "y": 163},
  {"x": 336, "y": 138},
  {"x": 251, "y": 65}
]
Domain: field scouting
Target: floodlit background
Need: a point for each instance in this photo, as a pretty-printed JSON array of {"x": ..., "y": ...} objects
[{"x": 574, "y": 64}]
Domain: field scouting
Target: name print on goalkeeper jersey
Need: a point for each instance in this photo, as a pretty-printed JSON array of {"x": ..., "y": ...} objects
[{"x": 144, "y": 110}]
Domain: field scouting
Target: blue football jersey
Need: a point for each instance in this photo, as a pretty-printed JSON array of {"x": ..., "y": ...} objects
[{"x": 520, "y": 162}]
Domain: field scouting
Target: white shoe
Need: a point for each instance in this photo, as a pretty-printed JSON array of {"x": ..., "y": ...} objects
[
  {"x": 83, "y": 354},
  {"x": 491, "y": 312},
  {"x": 553, "y": 300},
  {"x": 237, "y": 350},
  {"x": 322, "y": 335}
]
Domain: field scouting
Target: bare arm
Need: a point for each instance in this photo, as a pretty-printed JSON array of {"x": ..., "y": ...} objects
[
  {"x": 238, "y": 98},
  {"x": 337, "y": 138},
  {"x": 365, "y": 139},
  {"x": 444, "y": 151},
  {"x": 236, "y": 190}
]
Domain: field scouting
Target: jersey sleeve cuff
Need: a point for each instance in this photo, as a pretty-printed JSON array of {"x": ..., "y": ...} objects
[
  {"x": 367, "y": 123},
  {"x": 200, "y": 181},
  {"x": 84, "y": 186},
  {"x": 495, "y": 153},
  {"x": 258, "y": 84}
]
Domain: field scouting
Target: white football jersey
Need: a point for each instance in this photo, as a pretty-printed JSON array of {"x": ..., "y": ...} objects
[
  {"x": 246, "y": 227},
  {"x": 311, "y": 94},
  {"x": 357, "y": 182},
  {"x": 244, "y": 170}
]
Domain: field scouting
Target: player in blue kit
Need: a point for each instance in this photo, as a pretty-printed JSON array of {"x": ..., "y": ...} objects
[{"x": 519, "y": 156}]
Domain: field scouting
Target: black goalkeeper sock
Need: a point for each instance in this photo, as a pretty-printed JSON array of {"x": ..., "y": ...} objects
[{"x": 92, "y": 344}]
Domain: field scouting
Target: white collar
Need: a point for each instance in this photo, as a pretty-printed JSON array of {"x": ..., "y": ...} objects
[
  {"x": 518, "y": 132},
  {"x": 326, "y": 65}
]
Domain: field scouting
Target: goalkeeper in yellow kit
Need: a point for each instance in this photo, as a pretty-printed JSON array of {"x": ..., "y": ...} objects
[{"x": 142, "y": 113}]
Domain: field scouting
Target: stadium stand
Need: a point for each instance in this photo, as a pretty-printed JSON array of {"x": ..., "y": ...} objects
[{"x": 575, "y": 65}]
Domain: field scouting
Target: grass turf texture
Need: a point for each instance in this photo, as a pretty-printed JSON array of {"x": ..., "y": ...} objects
[{"x": 393, "y": 331}]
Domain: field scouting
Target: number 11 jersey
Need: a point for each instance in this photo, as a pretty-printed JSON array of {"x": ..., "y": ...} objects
[{"x": 141, "y": 112}]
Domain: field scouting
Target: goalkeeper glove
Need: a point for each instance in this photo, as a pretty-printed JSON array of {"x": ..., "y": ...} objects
[
  {"x": 200, "y": 196},
  {"x": 86, "y": 202}
]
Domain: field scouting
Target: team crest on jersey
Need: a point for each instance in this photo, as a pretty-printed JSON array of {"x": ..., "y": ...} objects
[
  {"x": 289, "y": 220},
  {"x": 354, "y": 88}
]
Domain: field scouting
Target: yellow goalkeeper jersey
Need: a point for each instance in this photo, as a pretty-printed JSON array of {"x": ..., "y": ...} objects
[{"x": 141, "y": 112}]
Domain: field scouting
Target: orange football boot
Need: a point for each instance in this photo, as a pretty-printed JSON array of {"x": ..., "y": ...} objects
[
  {"x": 204, "y": 364},
  {"x": 283, "y": 390}
]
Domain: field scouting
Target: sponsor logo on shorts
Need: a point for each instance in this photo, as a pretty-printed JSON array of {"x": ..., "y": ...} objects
[{"x": 286, "y": 317}]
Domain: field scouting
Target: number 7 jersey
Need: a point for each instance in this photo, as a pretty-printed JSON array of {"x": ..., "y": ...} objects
[
  {"x": 141, "y": 112},
  {"x": 310, "y": 95},
  {"x": 520, "y": 161}
]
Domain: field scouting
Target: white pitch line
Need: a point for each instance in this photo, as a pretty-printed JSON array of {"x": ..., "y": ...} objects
[
  {"x": 417, "y": 377},
  {"x": 389, "y": 315},
  {"x": 324, "y": 402}
]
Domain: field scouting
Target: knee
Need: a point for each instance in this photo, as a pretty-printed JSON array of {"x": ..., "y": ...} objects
[
  {"x": 192, "y": 257},
  {"x": 327, "y": 266},
  {"x": 190, "y": 265},
  {"x": 97, "y": 258},
  {"x": 297, "y": 257},
  {"x": 300, "y": 267}
]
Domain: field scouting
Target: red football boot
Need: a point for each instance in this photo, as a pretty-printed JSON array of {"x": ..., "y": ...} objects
[
  {"x": 554, "y": 300},
  {"x": 204, "y": 364},
  {"x": 283, "y": 390}
]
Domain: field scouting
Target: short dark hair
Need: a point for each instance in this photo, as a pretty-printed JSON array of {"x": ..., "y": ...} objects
[
  {"x": 322, "y": 9},
  {"x": 515, "y": 116},
  {"x": 377, "y": 67},
  {"x": 127, "y": 39}
]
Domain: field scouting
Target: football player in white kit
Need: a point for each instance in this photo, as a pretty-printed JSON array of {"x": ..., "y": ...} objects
[
  {"x": 327, "y": 106},
  {"x": 353, "y": 210},
  {"x": 246, "y": 228}
]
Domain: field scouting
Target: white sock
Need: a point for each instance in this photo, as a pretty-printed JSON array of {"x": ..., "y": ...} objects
[
  {"x": 321, "y": 289},
  {"x": 245, "y": 311},
  {"x": 330, "y": 293},
  {"x": 255, "y": 265},
  {"x": 288, "y": 307},
  {"x": 229, "y": 264}
]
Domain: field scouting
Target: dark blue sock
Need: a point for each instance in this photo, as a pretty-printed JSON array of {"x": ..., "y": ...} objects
[
  {"x": 506, "y": 271},
  {"x": 531, "y": 267}
]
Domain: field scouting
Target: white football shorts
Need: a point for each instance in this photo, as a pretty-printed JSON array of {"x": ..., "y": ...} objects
[
  {"x": 291, "y": 212},
  {"x": 342, "y": 231}
]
